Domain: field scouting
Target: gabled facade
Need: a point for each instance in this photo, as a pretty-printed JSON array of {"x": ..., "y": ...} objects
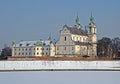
[{"x": 74, "y": 41}]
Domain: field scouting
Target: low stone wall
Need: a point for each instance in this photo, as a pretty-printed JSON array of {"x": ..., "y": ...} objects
[
  {"x": 52, "y": 58},
  {"x": 59, "y": 65}
]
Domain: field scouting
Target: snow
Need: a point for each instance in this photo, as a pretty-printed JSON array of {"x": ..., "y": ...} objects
[{"x": 65, "y": 65}]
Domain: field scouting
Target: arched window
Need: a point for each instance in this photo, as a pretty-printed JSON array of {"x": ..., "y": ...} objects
[
  {"x": 90, "y": 30},
  {"x": 65, "y": 38},
  {"x": 94, "y": 30},
  {"x": 65, "y": 48},
  {"x": 77, "y": 38},
  {"x": 57, "y": 48},
  {"x": 80, "y": 38}
]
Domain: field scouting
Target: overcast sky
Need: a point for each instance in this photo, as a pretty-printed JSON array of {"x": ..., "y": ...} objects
[
  {"x": 36, "y": 19},
  {"x": 78, "y": 77}
]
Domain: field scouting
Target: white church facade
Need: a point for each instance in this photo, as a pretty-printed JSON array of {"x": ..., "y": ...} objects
[{"x": 74, "y": 41}]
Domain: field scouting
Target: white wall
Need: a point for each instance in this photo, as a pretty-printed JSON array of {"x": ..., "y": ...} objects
[{"x": 39, "y": 65}]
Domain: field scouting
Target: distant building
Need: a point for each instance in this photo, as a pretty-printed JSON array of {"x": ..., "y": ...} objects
[
  {"x": 33, "y": 48},
  {"x": 74, "y": 41}
]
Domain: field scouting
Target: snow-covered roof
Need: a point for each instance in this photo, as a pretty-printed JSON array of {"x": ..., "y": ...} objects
[{"x": 33, "y": 43}]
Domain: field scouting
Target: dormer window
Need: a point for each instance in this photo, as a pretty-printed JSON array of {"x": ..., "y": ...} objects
[
  {"x": 27, "y": 44},
  {"x": 20, "y": 45}
]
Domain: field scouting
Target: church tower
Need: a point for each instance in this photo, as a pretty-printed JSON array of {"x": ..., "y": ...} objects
[
  {"x": 78, "y": 23},
  {"x": 92, "y": 33}
]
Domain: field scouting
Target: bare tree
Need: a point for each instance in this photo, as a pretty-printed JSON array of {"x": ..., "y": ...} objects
[
  {"x": 103, "y": 47},
  {"x": 116, "y": 47},
  {"x": 6, "y": 51}
]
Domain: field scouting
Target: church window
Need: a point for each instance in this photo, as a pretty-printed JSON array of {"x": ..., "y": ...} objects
[
  {"x": 37, "y": 48},
  {"x": 77, "y": 38},
  {"x": 80, "y": 38},
  {"x": 90, "y": 29},
  {"x": 42, "y": 53},
  {"x": 65, "y": 38},
  {"x": 72, "y": 48},
  {"x": 19, "y": 53},
  {"x": 65, "y": 48},
  {"x": 94, "y": 30},
  {"x": 57, "y": 48},
  {"x": 34, "y": 48},
  {"x": 37, "y": 53},
  {"x": 83, "y": 39},
  {"x": 29, "y": 53},
  {"x": 84, "y": 48}
]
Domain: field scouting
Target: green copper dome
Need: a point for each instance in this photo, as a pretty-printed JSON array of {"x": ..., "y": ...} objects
[{"x": 38, "y": 43}]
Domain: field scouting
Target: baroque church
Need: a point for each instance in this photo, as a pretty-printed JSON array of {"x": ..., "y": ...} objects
[
  {"x": 73, "y": 42},
  {"x": 76, "y": 41}
]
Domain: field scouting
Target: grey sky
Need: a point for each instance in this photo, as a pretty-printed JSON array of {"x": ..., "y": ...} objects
[{"x": 78, "y": 77}]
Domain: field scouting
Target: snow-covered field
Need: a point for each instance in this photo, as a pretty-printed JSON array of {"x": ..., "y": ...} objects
[{"x": 59, "y": 65}]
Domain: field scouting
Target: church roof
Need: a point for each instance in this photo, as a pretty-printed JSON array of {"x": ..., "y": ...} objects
[{"x": 76, "y": 30}]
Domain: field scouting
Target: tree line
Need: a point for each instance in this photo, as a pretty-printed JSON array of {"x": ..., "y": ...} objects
[
  {"x": 107, "y": 47},
  {"x": 6, "y": 52}
]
